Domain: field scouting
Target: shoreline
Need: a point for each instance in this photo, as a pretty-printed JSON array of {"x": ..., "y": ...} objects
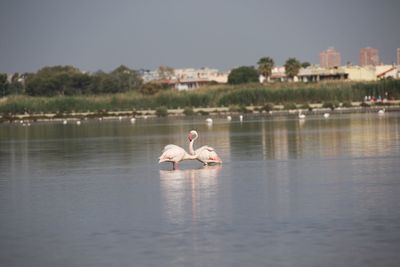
[{"x": 315, "y": 109}]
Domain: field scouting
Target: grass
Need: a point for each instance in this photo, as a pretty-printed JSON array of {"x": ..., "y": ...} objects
[{"x": 236, "y": 97}]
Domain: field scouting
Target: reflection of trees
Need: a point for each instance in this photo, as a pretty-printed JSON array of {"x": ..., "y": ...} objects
[
  {"x": 189, "y": 194},
  {"x": 351, "y": 135}
]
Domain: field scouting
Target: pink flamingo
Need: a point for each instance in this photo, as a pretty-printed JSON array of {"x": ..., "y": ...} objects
[
  {"x": 204, "y": 154},
  {"x": 174, "y": 154}
]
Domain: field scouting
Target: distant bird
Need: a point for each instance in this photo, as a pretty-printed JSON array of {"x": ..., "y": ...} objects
[
  {"x": 241, "y": 118},
  {"x": 65, "y": 122},
  {"x": 301, "y": 115},
  {"x": 120, "y": 118},
  {"x": 209, "y": 121},
  {"x": 204, "y": 154},
  {"x": 174, "y": 154},
  {"x": 100, "y": 119},
  {"x": 78, "y": 122},
  {"x": 133, "y": 120},
  {"x": 229, "y": 118},
  {"x": 381, "y": 112},
  {"x": 326, "y": 115}
]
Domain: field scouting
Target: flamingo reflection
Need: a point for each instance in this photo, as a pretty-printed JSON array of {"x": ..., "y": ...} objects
[{"x": 189, "y": 194}]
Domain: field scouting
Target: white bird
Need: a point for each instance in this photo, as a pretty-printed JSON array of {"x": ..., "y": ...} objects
[
  {"x": 209, "y": 121},
  {"x": 78, "y": 122},
  {"x": 120, "y": 118},
  {"x": 301, "y": 115},
  {"x": 204, "y": 154},
  {"x": 133, "y": 120},
  {"x": 241, "y": 118},
  {"x": 174, "y": 154},
  {"x": 65, "y": 122},
  {"x": 381, "y": 112},
  {"x": 229, "y": 118},
  {"x": 326, "y": 115}
]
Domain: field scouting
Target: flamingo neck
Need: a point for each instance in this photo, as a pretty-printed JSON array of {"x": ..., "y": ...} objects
[
  {"x": 189, "y": 156},
  {"x": 191, "y": 149}
]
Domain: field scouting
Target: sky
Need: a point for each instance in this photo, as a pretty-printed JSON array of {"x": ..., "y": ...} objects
[{"x": 104, "y": 34}]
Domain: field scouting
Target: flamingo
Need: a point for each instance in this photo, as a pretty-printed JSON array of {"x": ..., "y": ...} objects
[
  {"x": 204, "y": 154},
  {"x": 241, "y": 118},
  {"x": 174, "y": 154},
  {"x": 326, "y": 115},
  {"x": 381, "y": 112},
  {"x": 229, "y": 118}
]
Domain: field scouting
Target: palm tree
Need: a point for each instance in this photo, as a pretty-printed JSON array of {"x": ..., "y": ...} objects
[
  {"x": 265, "y": 65},
  {"x": 292, "y": 67}
]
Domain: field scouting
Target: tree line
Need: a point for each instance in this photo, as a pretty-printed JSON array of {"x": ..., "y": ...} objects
[
  {"x": 69, "y": 81},
  {"x": 248, "y": 74}
]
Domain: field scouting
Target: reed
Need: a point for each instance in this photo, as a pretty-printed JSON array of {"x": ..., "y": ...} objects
[{"x": 213, "y": 96}]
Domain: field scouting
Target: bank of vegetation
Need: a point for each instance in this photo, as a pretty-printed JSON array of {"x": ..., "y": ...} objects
[
  {"x": 61, "y": 90},
  {"x": 213, "y": 96}
]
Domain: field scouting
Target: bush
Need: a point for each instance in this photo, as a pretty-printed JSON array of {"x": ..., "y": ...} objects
[
  {"x": 289, "y": 105},
  {"x": 347, "y": 104},
  {"x": 188, "y": 111},
  {"x": 203, "y": 113},
  {"x": 267, "y": 107},
  {"x": 364, "y": 105},
  {"x": 306, "y": 106},
  {"x": 150, "y": 88},
  {"x": 331, "y": 105},
  {"x": 162, "y": 112}
]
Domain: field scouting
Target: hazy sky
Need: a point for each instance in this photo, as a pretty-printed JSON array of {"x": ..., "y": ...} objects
[{"x": 103, "y": 34}]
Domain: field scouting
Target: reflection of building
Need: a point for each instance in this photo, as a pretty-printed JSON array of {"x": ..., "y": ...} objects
[
  {"x": 369, "y": 56},
  {"x": 329, "y": 58}
]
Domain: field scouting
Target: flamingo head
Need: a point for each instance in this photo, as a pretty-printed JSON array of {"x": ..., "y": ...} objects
[{"x": 192, "y": 135}]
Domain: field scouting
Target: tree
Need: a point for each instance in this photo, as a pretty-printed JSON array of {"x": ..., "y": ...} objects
[
  {"x": 243, "y": 74},
  {"x": 126, "y": 78},
  {"x": 165, "y": 72},
  {"x": 265, "y": 65},
  {"x": 305, "y": 64},
  {"x": 292, "y": 67},
  {"x": 150, "y": 88},
  {"x": 50, "y": 81},
  {"x": 3, "y": 84}
]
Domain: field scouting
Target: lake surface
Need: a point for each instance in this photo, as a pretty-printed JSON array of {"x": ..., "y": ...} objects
[{"x": 323, "y": 192}]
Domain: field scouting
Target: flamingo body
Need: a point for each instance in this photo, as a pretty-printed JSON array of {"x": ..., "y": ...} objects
[
  {"x": 174, "y": 154},
  {"x": 207, "y": 155},
  {"x": 204, "y": 154}
]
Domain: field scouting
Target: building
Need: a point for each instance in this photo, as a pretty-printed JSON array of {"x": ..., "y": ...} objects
[
  {"x": 316, "y": 74},
  {"x": 398, "y": 56},
  {"x": 369, "y": 56},
  {"x": 329, "y": 58},
  {"x": 202, "y": 74}
]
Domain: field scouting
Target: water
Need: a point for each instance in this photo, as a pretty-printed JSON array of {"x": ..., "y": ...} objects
[{"x": 324, "y": 192}]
